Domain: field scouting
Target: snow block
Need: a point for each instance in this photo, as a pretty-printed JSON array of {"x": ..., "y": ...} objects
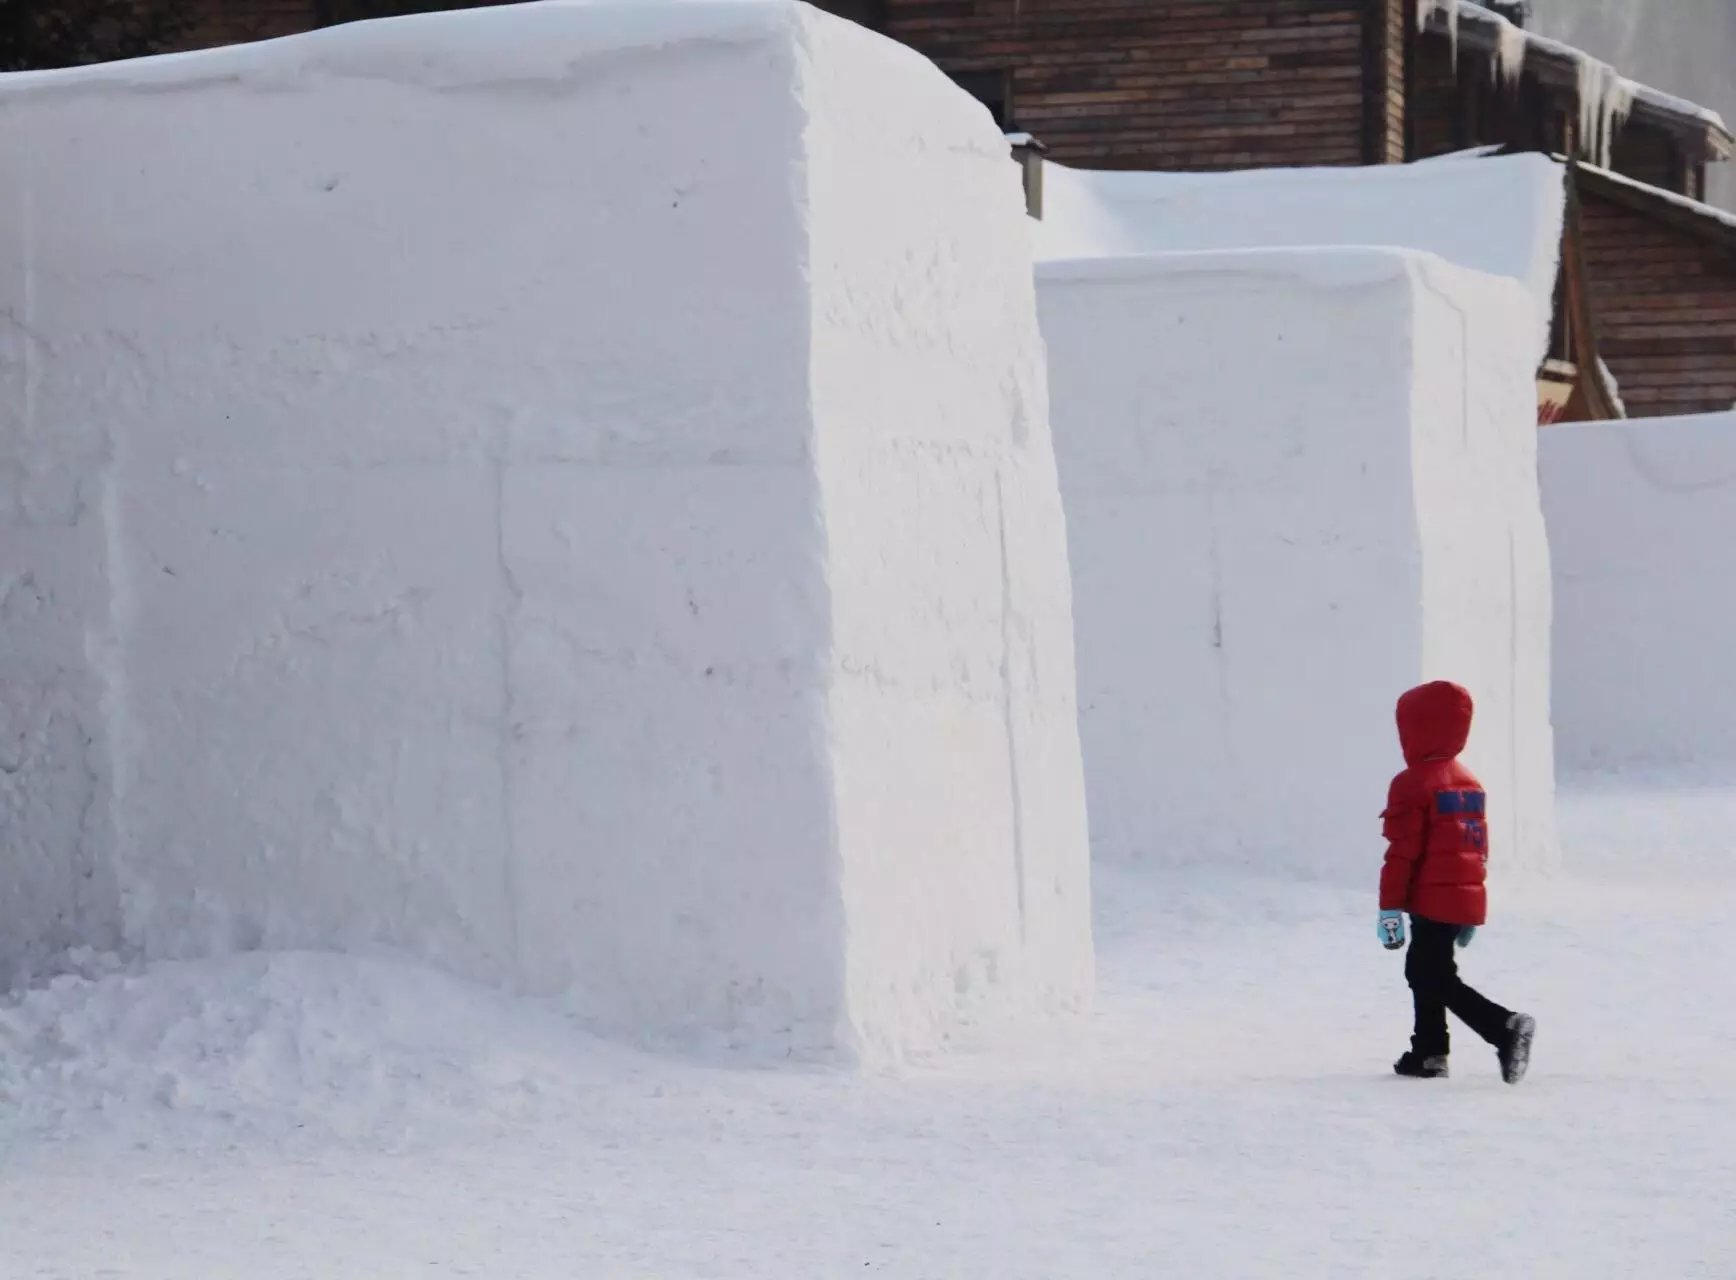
[
  {"x": 56, "y": 645},
  {"x": 1297, "y": 482},
  {"x": 1640, "y": 517},
  {"x": 1498, "y": 214},
  {"x": 561, "y": 489}
]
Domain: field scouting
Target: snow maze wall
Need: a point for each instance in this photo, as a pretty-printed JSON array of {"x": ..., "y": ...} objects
[
  {"x": 564, "y": 490},
  {"x": 1297, "y": 482},
  {"x": 1640, "y": 519}
]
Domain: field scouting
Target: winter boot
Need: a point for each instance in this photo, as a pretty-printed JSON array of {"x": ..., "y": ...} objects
[
  {"x": 1515, "y": 1050},
  {"x": 1412, "y": 1064}
]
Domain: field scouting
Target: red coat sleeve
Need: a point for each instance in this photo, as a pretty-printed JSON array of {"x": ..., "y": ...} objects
[{"x": 1405, "y": 825}]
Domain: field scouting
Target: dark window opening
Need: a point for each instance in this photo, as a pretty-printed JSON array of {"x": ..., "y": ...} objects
[{"x": 989, "y": 88}]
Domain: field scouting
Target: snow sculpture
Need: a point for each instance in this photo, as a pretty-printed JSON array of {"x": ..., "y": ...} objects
[
  {"x": 1297, "y": 481},
  {"x": 561, "y": 489},
  {"x": 1640, "y": 515}
]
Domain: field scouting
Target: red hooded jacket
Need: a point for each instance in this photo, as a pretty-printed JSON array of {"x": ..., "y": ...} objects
[{"x": 1437, "y": 836}]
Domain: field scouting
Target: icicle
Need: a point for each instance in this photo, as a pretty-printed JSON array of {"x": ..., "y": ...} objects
[
  {"x": 1427, "y": 9},
  {"x": 1605, "y": 99},
  {"x": 1613, "y": 387},
  {"x": 1509, "y": 64}
]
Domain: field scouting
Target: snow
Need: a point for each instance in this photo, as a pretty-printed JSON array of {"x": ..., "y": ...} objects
[
  {"x": 1680, "y": 106},
  {"x": 1501, "y": 215},
  {"x": 562, "y": 491},
  {"x": 524, "y": 525},
  {"x": 1699, "y": 208},
  {"x": 1606, "y": 97},
  {"x": 1227, "y": 1109},
  {"x": 1511, "y": 40},
  {"x": 1511, "y": 45},
  {"x": 273, "y": 1041},
  {"x": 540, "y": 44},
  {"x": 1613, "y": 386},
  {"x": 1686, "y": 45},
  {"x": 1297, "y": 482},
  {"x": 1639, "y": 514},
  {"x": 1452, "y": 9},
  {"x": 958, "y": 788}
]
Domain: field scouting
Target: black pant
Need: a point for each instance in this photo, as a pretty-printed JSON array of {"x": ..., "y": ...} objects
[{"x": 1436, "y": 987}]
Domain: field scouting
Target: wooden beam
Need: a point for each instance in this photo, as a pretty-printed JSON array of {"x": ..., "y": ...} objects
[
  {"x": 1595, "y": 400},
  {"x": 1385, "y": 87}
]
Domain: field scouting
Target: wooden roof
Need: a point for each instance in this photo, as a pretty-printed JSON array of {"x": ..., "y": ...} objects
[
  {"x": 1709, "y": 223},
  {"x": 1558, "y": 67}
]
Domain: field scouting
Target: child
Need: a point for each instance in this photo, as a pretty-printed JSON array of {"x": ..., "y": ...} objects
[{"x": 1437, "y": 854}]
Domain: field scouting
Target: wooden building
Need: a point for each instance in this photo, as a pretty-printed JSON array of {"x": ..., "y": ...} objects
[
  {"x": 1648, "y": 286},
  {"x": 1662, "y": 271},
  {"x": 1647, "y": 326},
  {"x": 1215, "y": 84},
  {"x": 1224, "y": 84},
  {"x": 1191, "y": 84}
]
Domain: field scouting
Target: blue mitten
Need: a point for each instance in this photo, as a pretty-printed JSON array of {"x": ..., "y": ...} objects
[
  {"x": 1392, "y": 930},
  {"x": 1466, "y": 933}
]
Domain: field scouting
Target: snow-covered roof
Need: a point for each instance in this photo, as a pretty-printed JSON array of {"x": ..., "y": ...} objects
[
  {"x": 1710, "y": 217},
  {"x": 1606, "y": 97},
  {"x": 1501, "y": 215}
]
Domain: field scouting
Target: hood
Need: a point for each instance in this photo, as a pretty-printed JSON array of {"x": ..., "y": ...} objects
[{"x": 1434, "y": 722}]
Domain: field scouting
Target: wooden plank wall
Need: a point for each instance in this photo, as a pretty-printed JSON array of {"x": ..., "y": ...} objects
[
  {"x": 1163, "y": 84},
  {"x": 1665, "y": 305},
  {"x": 1435, "y": 101},
  {"x": 1466, "y": 105},
  {"x": 1385, "y": 80},
  {"x": 218, "y": 22},
  {"x": 1451, "y": 109},
  {"x": 1651, "y": 156}
]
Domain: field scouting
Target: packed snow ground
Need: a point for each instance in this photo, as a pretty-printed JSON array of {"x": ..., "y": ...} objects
[{"x": 1227, "y": 1112}]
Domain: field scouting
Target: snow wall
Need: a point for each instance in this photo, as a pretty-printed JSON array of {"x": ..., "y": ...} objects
[
  {"x": 1641, "y": 515},
  {"x": 565, "y": 490},
  {"x": 1297, "y": 483},
  {"x": 1498, "y": 214}
]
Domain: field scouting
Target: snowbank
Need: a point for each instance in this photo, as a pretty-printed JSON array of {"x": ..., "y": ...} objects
[
  {"x": 287, "y": 1044},
  {"x": 1297, "y": 482},
  {"x": 1496, "y": 214},
  {"x": 564, "y": 490},
  {"x": 1640, "y": 519}
]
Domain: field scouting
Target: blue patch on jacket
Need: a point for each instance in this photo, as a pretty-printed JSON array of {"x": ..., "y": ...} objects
[{"x": 1452, "y": 803}]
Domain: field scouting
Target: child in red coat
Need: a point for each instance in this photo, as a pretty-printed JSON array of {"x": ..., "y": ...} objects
[{"x": 1436, "y": 858}]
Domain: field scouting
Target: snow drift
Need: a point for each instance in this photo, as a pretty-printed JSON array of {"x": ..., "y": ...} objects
[
  {"x": 1297, "y": 482},
  {"x": 287, "y": 1043},
  {"x": 562, "y": 489},
  {"x": 1640, "y": 518}
]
